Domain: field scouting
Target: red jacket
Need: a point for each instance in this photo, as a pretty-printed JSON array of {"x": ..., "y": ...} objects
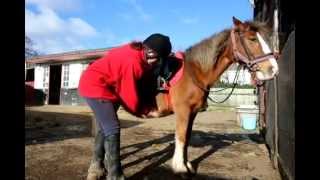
[{"x": 114, "y": 77}]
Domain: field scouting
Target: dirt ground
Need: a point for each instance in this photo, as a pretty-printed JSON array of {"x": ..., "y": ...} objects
[{"x": 59, "y": 146}]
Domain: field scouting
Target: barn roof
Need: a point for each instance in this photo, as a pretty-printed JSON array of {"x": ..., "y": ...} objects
[{"x": 68, "y": 56}]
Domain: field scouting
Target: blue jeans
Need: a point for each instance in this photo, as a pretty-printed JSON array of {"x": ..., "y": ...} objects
[{"x": 106, "y": 115}]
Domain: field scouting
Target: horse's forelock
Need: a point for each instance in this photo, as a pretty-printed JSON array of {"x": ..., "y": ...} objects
[{"x": 261, "y": 27}]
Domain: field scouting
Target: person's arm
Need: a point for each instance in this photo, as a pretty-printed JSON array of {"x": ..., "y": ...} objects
[{"x": 129, "y": 91}]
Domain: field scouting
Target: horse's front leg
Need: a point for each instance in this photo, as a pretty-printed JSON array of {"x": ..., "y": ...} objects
[{"x": 184, "y": 122}]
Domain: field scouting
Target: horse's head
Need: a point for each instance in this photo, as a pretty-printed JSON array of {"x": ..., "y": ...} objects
[{"x": 251, "y": 49}]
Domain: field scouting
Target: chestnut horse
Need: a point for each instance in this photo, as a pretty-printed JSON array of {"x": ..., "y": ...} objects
[{"x": 204, "y": 62}]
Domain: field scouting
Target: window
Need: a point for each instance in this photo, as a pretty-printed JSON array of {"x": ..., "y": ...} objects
[
  {"x": 65, "y": 81},
  {"x": 29, "y": 66}
]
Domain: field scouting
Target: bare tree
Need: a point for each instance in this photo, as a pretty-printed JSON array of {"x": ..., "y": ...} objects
[{"x": 29, "y": 51}]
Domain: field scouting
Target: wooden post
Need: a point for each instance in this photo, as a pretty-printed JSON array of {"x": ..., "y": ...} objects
[
  {"x": 276, "y": 130},
  {"x": 275, "y": 44}
]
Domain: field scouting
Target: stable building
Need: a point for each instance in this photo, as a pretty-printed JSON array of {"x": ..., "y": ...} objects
[{"x": 58, "y": 75}]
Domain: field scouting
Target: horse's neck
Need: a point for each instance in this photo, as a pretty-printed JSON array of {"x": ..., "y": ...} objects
[
  {"x": 209, "y": 77},
  {"x": 224, "y": 61},
  {"x": 194, "y": 70}
]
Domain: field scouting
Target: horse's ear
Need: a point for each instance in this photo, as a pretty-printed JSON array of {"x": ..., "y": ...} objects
[
  {"x": 238, "y": 24},
  {"x": 236, "y": 21}
]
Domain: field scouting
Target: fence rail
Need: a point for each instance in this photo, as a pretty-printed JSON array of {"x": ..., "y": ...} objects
[{"x": 238, "y": 97}]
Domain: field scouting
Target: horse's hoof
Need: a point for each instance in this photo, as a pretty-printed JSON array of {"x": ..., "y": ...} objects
[
  {"x": 185, "y": 169},
  {"x": 179, "y": 169},
  {"x": 190, "y": 168}
]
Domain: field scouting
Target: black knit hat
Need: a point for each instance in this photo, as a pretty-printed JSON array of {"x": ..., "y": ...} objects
[{"x": 159, "y": 43}]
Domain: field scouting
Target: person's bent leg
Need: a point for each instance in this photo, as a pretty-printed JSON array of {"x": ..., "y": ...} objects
[{"x": 105, "y": 112}]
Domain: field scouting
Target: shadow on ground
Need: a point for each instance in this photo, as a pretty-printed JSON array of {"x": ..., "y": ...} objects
[
  {"x": 43, "y": 127},
  {"x": 157, "y": 169}
]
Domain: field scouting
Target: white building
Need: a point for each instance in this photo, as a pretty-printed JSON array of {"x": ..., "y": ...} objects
[
  {"x": 229, "y": 75},
  {"x": 57, "y": 75}
]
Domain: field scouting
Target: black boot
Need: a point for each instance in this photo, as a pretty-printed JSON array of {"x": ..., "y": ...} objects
[
  {"x": 96, "y": 169},
  {"x": 112, "y": 157}
]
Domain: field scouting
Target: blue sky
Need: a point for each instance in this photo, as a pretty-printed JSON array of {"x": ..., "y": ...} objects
[{"x": 66, "y": 25}]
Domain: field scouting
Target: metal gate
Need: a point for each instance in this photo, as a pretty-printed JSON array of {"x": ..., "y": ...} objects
[{"x": 279, "y": 110}]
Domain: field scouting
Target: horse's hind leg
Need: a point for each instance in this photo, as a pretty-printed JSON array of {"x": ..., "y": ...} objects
[{"x": 184, "y": 121}]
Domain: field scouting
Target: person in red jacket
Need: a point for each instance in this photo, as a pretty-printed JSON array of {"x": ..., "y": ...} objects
[{"x": 111, "y": 81}]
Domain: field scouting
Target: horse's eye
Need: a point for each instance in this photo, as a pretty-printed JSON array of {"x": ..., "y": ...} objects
[{"x": 254, "y": 39}]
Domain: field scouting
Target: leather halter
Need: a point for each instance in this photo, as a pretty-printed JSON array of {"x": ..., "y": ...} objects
[{"x": 250, "y": 63}]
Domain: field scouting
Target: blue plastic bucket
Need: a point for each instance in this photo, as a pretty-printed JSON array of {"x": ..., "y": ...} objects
[{"x": 248, "y": 121}]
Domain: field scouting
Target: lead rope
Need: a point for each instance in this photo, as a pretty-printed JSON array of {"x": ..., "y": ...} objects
[{"x": 233, "y": 87}]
